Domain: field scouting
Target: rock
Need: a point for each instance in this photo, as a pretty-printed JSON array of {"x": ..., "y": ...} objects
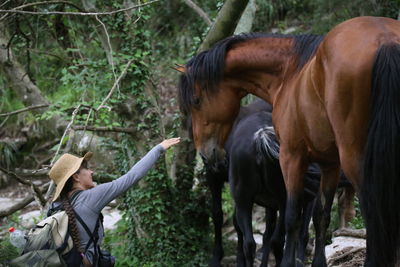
[
  {"x": 29, "y": 219},
  {"x": 8, "y": 202},
  {"x": 111, "y": 217},
  {"x": 346, "y": 250}
]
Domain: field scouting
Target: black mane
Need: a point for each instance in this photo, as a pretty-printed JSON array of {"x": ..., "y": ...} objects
[{"x": 207, "y": 67}]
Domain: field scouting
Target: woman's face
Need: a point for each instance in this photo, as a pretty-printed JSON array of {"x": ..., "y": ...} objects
[{"x": 85, "y": 177}]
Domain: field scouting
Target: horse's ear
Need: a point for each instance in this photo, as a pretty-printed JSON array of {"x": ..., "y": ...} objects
[{"x": 179, "y": 67}]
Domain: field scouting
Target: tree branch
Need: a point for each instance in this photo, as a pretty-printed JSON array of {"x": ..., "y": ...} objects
[
  {"x": 23, "y": 110},
  {"x": 51, "y": 187},
  {"x": 110, "y": 53},
  {"x": 47, "y": 3},
  {"x": 103, "y": 129},
  {"x": 357, "y": 233},
  {"x": 76, "y": 13},
  {"x": 20, "y": 205},
  {"x": 31, "y": 173},
  {"x": 4, "y": 122},
  {"x": 35, "y": 189},
  {"x": 115, "y": 85},
  {"x": 199, "y": 11},
  {"x": 5, "y": 3}
]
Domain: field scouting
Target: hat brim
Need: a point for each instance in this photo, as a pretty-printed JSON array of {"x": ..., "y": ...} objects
[{"x": 73, "y": 170}]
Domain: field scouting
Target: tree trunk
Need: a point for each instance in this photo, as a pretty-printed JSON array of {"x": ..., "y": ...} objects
[
  {"x": 225, "y": 23},
  {"x": 19, "y": 80},
  {"x": 246, "y": 21}
]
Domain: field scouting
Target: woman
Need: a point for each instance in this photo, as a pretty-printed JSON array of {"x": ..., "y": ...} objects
[{"x": 83, "y": 201}]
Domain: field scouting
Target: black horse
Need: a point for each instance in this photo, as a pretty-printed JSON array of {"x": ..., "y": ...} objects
[
  {"x": 216, "y": 177},
  {"x": 255, "y": 177}
]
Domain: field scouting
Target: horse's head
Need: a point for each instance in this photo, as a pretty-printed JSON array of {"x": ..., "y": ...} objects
[{"x": 211, "y": 113}]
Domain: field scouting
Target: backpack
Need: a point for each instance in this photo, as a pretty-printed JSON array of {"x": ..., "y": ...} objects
[
  {"x": 49, "y": 243},
  {"x": 46, "y": 243}
]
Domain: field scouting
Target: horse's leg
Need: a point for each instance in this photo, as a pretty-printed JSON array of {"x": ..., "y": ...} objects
[
  {"x": 278, "y": 238},
  {"x": 346, "y": 206},
  {"x": 304, "y": 235},
  {"x": 243, "y": 216},
  {"x": 215, "y": 183},
  {"x": 321, "y": 218},
  {"x": 293, "y": 168},
  {"x": 240, "y": 260},
  {"x": 270, "y": 225}
]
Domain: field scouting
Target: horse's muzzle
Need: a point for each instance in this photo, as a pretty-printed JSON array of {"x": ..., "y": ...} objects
[{"x": 215, "y": 160}]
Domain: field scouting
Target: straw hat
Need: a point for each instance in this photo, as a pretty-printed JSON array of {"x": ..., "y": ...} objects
[{"x": 64, "y": 168}]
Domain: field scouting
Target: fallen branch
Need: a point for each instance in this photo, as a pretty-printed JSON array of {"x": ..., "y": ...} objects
[
  {"x": 361, "y": 233},
  {"x": 31, "y": 173},
  {"x": 20, "y": 205},
  {"x": 24, "y": 109},
  {"x": 103, "y": 129},
  {"x": 35, "y": 189}
]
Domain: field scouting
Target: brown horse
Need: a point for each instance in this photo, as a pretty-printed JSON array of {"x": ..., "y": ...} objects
[{"x": 335, "y": 102}]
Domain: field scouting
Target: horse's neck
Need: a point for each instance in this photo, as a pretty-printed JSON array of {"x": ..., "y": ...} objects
[{"x": 260, "y": 65}]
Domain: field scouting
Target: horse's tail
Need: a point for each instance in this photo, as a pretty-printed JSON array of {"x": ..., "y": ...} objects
[
  {"x": 266, "y": 145},
  {"x": 380, "y": 189}
]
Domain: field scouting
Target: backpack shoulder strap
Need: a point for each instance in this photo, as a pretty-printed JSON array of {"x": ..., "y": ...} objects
[
  {"x": 93, "y": 236},
  {"x": 54, "y": 208},
  {"x": 74, "y": 195},
  {"x": 64, "y": 245}
]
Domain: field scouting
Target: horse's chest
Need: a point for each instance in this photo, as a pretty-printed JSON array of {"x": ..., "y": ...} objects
[{"x": 304, "y": 125}]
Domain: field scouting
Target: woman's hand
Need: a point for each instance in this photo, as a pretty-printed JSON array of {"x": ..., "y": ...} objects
[{"x": 170, "y": 142}]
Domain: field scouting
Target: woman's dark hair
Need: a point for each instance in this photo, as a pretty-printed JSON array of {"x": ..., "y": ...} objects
[{"x": 73, "y": 228}]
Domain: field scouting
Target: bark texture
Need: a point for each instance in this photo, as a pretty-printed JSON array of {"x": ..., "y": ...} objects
[{"x": 225, "y": 23}]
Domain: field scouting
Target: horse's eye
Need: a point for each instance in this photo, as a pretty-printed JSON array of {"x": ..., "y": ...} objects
[{"x": 196, "y": 101}]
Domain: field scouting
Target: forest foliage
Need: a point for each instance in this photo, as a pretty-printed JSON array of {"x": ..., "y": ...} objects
[{"x": 75, "y": 62}]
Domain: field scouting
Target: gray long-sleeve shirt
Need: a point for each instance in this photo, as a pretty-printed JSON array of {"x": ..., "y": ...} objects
[{"x": 89, "y": 203}]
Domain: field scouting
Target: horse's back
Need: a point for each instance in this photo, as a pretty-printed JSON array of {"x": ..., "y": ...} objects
[{"x": 350, "y": 48}]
